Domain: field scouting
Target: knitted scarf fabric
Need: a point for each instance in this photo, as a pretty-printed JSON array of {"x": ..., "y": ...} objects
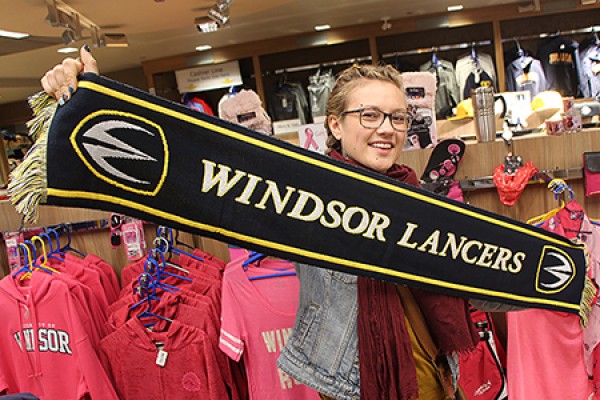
[
  {"x": 387, "y": 366},
  {"x": 112, "y": 147}
]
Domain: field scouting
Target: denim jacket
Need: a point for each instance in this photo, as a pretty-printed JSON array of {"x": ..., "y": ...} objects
[{"x": 322, "y": 351}]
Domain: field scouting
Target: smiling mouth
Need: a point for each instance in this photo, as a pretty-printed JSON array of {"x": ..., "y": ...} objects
[{"x": 382, "y": 145}]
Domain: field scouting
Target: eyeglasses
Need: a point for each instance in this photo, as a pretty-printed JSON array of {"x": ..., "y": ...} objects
[{"x": 373, "y": 118}]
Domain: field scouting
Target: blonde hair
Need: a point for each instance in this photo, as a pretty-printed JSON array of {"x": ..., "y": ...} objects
[{"x": 346, "y": 82}]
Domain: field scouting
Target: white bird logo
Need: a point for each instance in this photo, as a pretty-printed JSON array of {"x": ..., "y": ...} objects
[
  {"x": 563, "y": 272},
  {"x": 100, "y": 152}
]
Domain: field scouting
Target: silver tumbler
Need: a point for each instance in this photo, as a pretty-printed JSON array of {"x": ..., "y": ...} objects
[{"x": 484, "y": 101}]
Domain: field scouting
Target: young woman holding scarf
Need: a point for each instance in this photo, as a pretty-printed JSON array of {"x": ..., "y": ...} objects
[{"x": 357, "y": 336}]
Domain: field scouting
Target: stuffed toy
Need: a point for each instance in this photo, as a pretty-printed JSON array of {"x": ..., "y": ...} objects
[{"x": 245, "y": 108}]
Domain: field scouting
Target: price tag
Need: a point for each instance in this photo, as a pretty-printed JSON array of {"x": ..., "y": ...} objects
[{"x": 161, "y": 358}]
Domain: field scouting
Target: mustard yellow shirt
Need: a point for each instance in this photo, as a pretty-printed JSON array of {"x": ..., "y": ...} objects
[{"x": 433, "y": 376}]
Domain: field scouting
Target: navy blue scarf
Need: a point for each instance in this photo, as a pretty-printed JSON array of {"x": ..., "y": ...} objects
[{"x": 115, "y": 148}]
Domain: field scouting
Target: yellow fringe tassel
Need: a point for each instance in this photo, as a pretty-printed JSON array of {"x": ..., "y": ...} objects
[
  {"x": 588, "y": 299},
  {"x": 28, "y": 182}
]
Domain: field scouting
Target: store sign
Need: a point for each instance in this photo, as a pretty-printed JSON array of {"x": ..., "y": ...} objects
[
  {"x": 209, "y": 77},
  {"x": 286, "y": 126}
]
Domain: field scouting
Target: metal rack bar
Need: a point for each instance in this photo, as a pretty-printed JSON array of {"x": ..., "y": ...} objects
[
  {"x": 591, "y": 29},
  {"x": 62, "y": 228},
  {"x": 544, "y": 176},
  {"x": 322, "y": 65},
  {"x": 457, "y": 46}
]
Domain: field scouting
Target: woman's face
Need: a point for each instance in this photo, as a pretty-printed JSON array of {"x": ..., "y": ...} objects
[{"x": 378, "y": 148}]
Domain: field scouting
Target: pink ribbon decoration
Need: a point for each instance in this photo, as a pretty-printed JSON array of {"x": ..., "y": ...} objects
[{"x": 310, "y": 140}]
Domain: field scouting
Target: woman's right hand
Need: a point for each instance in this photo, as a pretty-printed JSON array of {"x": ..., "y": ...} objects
[{"x": 61, "y": 81}]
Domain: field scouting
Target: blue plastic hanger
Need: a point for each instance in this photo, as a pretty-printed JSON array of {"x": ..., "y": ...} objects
[
  {"x": 149, "y": 313},
  {"x": 255, "y": 257},
  {"x": 52, "y": 253},
  {"x": 164, "y": 240},
  {"x": 148, "y": 285},
  {"x": 274, "y": 275},
  {"x": 67, "y": 247},
  {"x": 162, "y": 245},
  {"x": 161, "y": 264},
  {"x": 28, "y": 260},
  {"x": 146, "y": 290},
  {"x": 56, "y": 237},
  {"x": 153, "y": 269}
]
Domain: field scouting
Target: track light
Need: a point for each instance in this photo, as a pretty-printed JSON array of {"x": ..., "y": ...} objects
[
  {"x": 223, "y": 4},
  {"x": 68, "y": 36},
  {"x": 64, "y": 16},
  {"x": 218, "y": 15},
  {"x": 205, "y": 24}
]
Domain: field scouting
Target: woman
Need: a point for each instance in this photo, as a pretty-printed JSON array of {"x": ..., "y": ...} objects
[{"x": 406, "y": 339}]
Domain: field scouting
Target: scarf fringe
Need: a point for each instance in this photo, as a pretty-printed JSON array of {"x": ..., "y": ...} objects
[
  {"x": 28, "y": 182},
  {"x": 588, "y": 299}
]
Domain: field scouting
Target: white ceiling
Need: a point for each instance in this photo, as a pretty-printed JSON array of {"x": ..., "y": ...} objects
[{"x": 158, "y": 29}]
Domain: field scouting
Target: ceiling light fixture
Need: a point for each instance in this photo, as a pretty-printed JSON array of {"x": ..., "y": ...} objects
[
  {"x": 115, "y": 40},
  {"x": 386, "y": 25},
  {"x": 324, "y": 27},
  {"x": 13, "y": 35},
  {"x": 456, "y": 7},
  {"x": 67, "y": 50},
  {"x": 204, "y": 47}
]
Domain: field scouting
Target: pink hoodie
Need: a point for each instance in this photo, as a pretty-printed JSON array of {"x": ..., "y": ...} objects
[{"x": 46, "y": 347}]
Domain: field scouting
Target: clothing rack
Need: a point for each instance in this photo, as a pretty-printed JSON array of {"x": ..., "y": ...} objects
[
  {"x": 67, "y": 227},
  {"x": 591, "y": 29},
  {"x": 544, "y": 176},
  {"x": 321, "y": 65},
  {"x": 432, "y": 49},
  {"x": 81, "y": 226}
]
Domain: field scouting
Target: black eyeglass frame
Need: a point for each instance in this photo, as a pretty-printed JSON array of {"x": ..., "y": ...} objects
[{"x": 405, "y": 128}]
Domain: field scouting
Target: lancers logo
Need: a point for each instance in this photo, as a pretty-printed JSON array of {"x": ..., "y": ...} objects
[
  {"x": 555, "y": 271},
  {"x": 124, "y": 150}
]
